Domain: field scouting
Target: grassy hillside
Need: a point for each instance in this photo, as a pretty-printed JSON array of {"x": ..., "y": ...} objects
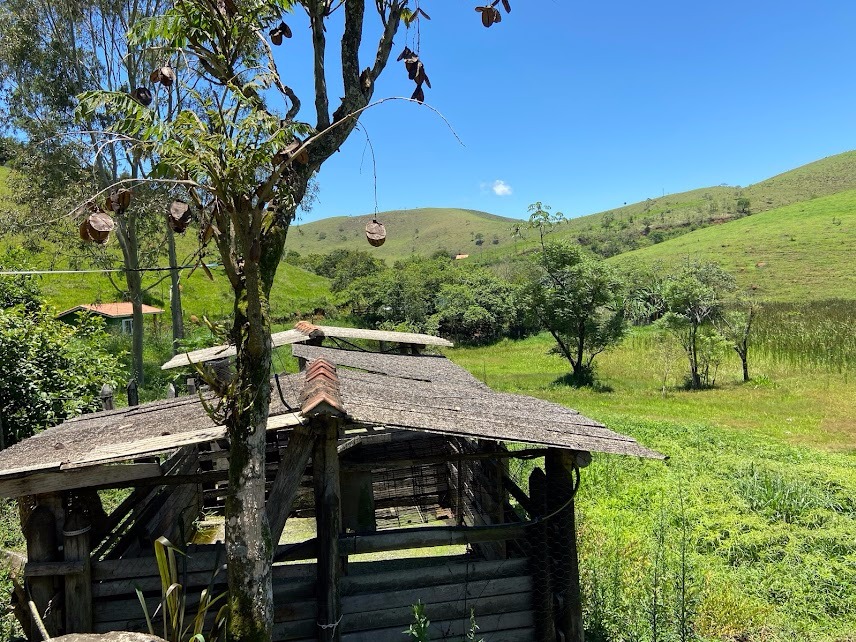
[
  {"x": 418, "y": 231},
  {"x": 799, "y": 252},
  {"x": 634, "y": 226}
]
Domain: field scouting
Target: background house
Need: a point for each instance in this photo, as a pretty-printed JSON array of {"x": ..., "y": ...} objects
[{"x": 117, "y": 315}]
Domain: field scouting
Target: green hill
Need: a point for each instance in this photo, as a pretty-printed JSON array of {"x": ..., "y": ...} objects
[
  {"x": 800, "y": 252},
  {"x": 419, "y": 231},
  {"x": 638, "y": 225}
]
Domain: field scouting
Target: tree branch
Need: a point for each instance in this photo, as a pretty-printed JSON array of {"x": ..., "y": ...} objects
[{"x": 319, "y": 45}]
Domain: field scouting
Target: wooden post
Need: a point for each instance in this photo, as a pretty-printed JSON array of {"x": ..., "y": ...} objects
[
  {"x": 325, "y": 473},
  {"x": 563, "y": 544},
  {"x": 191, "y": 385},
  {"x": 106, "y": 397},
  {"x": 539, "y": 560},
  {"x": 287, "y": 480},
  {"x": 78, "y": 586},
  {"x": 40, "y": 531},
  {"x": 170, "y": 391},
  {"x": 133, "y": 393},
  {"x": 2, "y": 435}
]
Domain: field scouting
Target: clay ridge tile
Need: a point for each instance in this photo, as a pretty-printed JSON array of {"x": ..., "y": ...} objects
[
  {"x": 320, "y": 388},
  {"x": 309, "y": 329}
]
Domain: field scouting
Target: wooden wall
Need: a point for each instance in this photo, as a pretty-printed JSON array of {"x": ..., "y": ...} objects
[{"x": 377, "y": 597}]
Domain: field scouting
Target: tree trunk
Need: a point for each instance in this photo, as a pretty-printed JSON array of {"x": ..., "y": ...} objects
[
  {"x": 174, "y": 293},
  {"x": 695, "y": 379},
  {"x": 744, "y": 358},
  {"x": 134, "y": 279},
  {"x": 248, "y": 541}
]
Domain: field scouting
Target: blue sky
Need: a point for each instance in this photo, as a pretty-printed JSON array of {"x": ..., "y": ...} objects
[{"x": 588, "y": 105}]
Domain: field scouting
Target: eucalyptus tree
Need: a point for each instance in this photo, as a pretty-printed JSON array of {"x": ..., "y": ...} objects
[
  {"x": 50, "y": 52},
  {"x": 246, "y": 159}
]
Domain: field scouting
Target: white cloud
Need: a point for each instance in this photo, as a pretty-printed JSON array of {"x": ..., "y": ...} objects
[{"x": 501, "y": 188}]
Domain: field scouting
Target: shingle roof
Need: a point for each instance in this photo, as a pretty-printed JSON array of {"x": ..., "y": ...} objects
[{"x": 412, "y": 392}]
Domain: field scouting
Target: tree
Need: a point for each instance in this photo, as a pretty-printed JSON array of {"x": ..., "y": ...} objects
[
  {"x": 49, "y": 370},
  {"x": 52, "y": 51},
  {"x": 735, "y": 325},
  {"x": 694, "y": 296},
  {"x": 246, "y": 162},
  {"x": 577, "y": 299}
]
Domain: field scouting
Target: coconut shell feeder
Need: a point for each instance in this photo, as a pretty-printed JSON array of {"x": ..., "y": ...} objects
[
  {"x": 118, "y": 201},
  {"x": 178, "y": 216},
  {"x": 375, "y": 233},
  {"x": 97, "y": 227},
  {"x": 164, "y": 75},
  {"x": 142, "y": 95}
]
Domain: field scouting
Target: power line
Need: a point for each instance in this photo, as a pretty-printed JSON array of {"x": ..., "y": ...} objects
[{"x": 102, "y": 271}]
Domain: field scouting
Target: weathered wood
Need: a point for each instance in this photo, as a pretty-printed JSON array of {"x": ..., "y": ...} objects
[
  {"x": 448, "y": 608},
  {"x": 539, "y": 560},
  {"x": 527, "y": 453},
  {"x": 466, "y": 590},
  {"x": 451, "y": 629},
  {"x": 404, "y": 538},
  {"x": 40, "y": 531},
  {"x": 78, "y": 586},
  {"x": 325, "y": 464},
  {"x": 164, "y": 443},
  {"x": 563, "y": 544},
  {"x": 101, "y": 476},
  {"x": 519, "y": 495},
  {"x": 53, "y": 569},
  {"x": 285, "y": 485},
  {"x": 107, "y": 397}
]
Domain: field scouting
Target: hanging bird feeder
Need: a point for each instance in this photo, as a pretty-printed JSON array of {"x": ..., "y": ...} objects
[
  {"x": 98, "y": 227},
  {"x": 142, "y": 95},
  {"x": 376, "y": 233},
  {"x": 178, "y": 216}
]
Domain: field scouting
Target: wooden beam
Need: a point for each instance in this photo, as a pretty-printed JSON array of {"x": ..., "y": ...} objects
[
  {"x": 563, "y": 544},
  {"x": 518, "y": 494},
  {"x": 328, "y": 517},
  {"x": 42, "y": 546},
  {"x": 102, "y": 476},
  {"x": 51, "y": 569},
  {"x": 78, "y": 586},
  {"x": 527, "y": 453},
  {"x": 287, "y": 480}
]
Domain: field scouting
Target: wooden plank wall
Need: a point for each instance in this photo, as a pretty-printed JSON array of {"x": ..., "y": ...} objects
[{"x": 376, "y": 600}]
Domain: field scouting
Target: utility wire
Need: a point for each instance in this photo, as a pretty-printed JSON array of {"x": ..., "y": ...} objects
[{"x": 102, "y": 271}]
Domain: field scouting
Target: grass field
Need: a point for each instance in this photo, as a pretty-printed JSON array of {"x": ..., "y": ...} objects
[
  {"x": 746, "y": 532},
  {"x": 801, "y": 252}
]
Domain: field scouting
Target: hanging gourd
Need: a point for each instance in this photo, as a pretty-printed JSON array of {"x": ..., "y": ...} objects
[
  {"x": 142, "y": 95},
  {"x": 164, "y": 75},
  {"x": 178, "y": 216},
  {"x": 98, "y": 227},
  {"x": 376, "y": 233}
]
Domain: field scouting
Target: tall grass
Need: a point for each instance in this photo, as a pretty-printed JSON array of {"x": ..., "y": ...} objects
[{"x": 815, "y": 334}]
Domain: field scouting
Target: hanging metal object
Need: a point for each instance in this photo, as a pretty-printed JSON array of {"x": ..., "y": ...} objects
[
  {"x": 376, "y": 233},
  {"x": 178, "y": 216}
]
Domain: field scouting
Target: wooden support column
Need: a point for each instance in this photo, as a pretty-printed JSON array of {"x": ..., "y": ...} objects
[
  {"x": 325, "y": 473},
  {"x": 539, "y": 560},
  {"x": 42, "y": 546},
  {"x": 78, "y": 586},
  {"x": 563, "y": 544},
  {"x": 287, "y": 480}
]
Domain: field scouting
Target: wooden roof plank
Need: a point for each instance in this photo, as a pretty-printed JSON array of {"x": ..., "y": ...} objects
[
  {"x": 224, "y": 351},
  {"x": 50, "y": 482}
]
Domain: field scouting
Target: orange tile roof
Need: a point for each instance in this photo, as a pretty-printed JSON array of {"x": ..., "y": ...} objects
[
  {"x": 320, "y": 394},
  {"x": 111, "y": 310}
]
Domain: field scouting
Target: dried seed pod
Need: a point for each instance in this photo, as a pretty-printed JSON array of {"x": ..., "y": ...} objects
[
  {"x": 84, "y": 231},
  {"x": 142, "y": 95},
  {"x": 118, "y": 201},
  {"x": 487, "y": 16},
  {"x": 506, "y": 5},
  {"x": 276, "y": 37},
  {"x": 167, "y": 76},
  {"x": 179, "y": 216},
  {"x": 375, "y": 233},
  {"x": 418, "y": 94},
  {"x": 405, "y": 53},
  {"x": 99, "y": 227},
  {"x": 302, "y": 157},
  {"x": 497, "y": 16}
]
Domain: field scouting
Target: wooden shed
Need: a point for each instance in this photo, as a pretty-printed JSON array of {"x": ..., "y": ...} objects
[{"x": 394, "y": 476}]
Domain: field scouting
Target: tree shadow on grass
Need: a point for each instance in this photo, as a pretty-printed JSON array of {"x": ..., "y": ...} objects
[{"x": 572, "y": 381}]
